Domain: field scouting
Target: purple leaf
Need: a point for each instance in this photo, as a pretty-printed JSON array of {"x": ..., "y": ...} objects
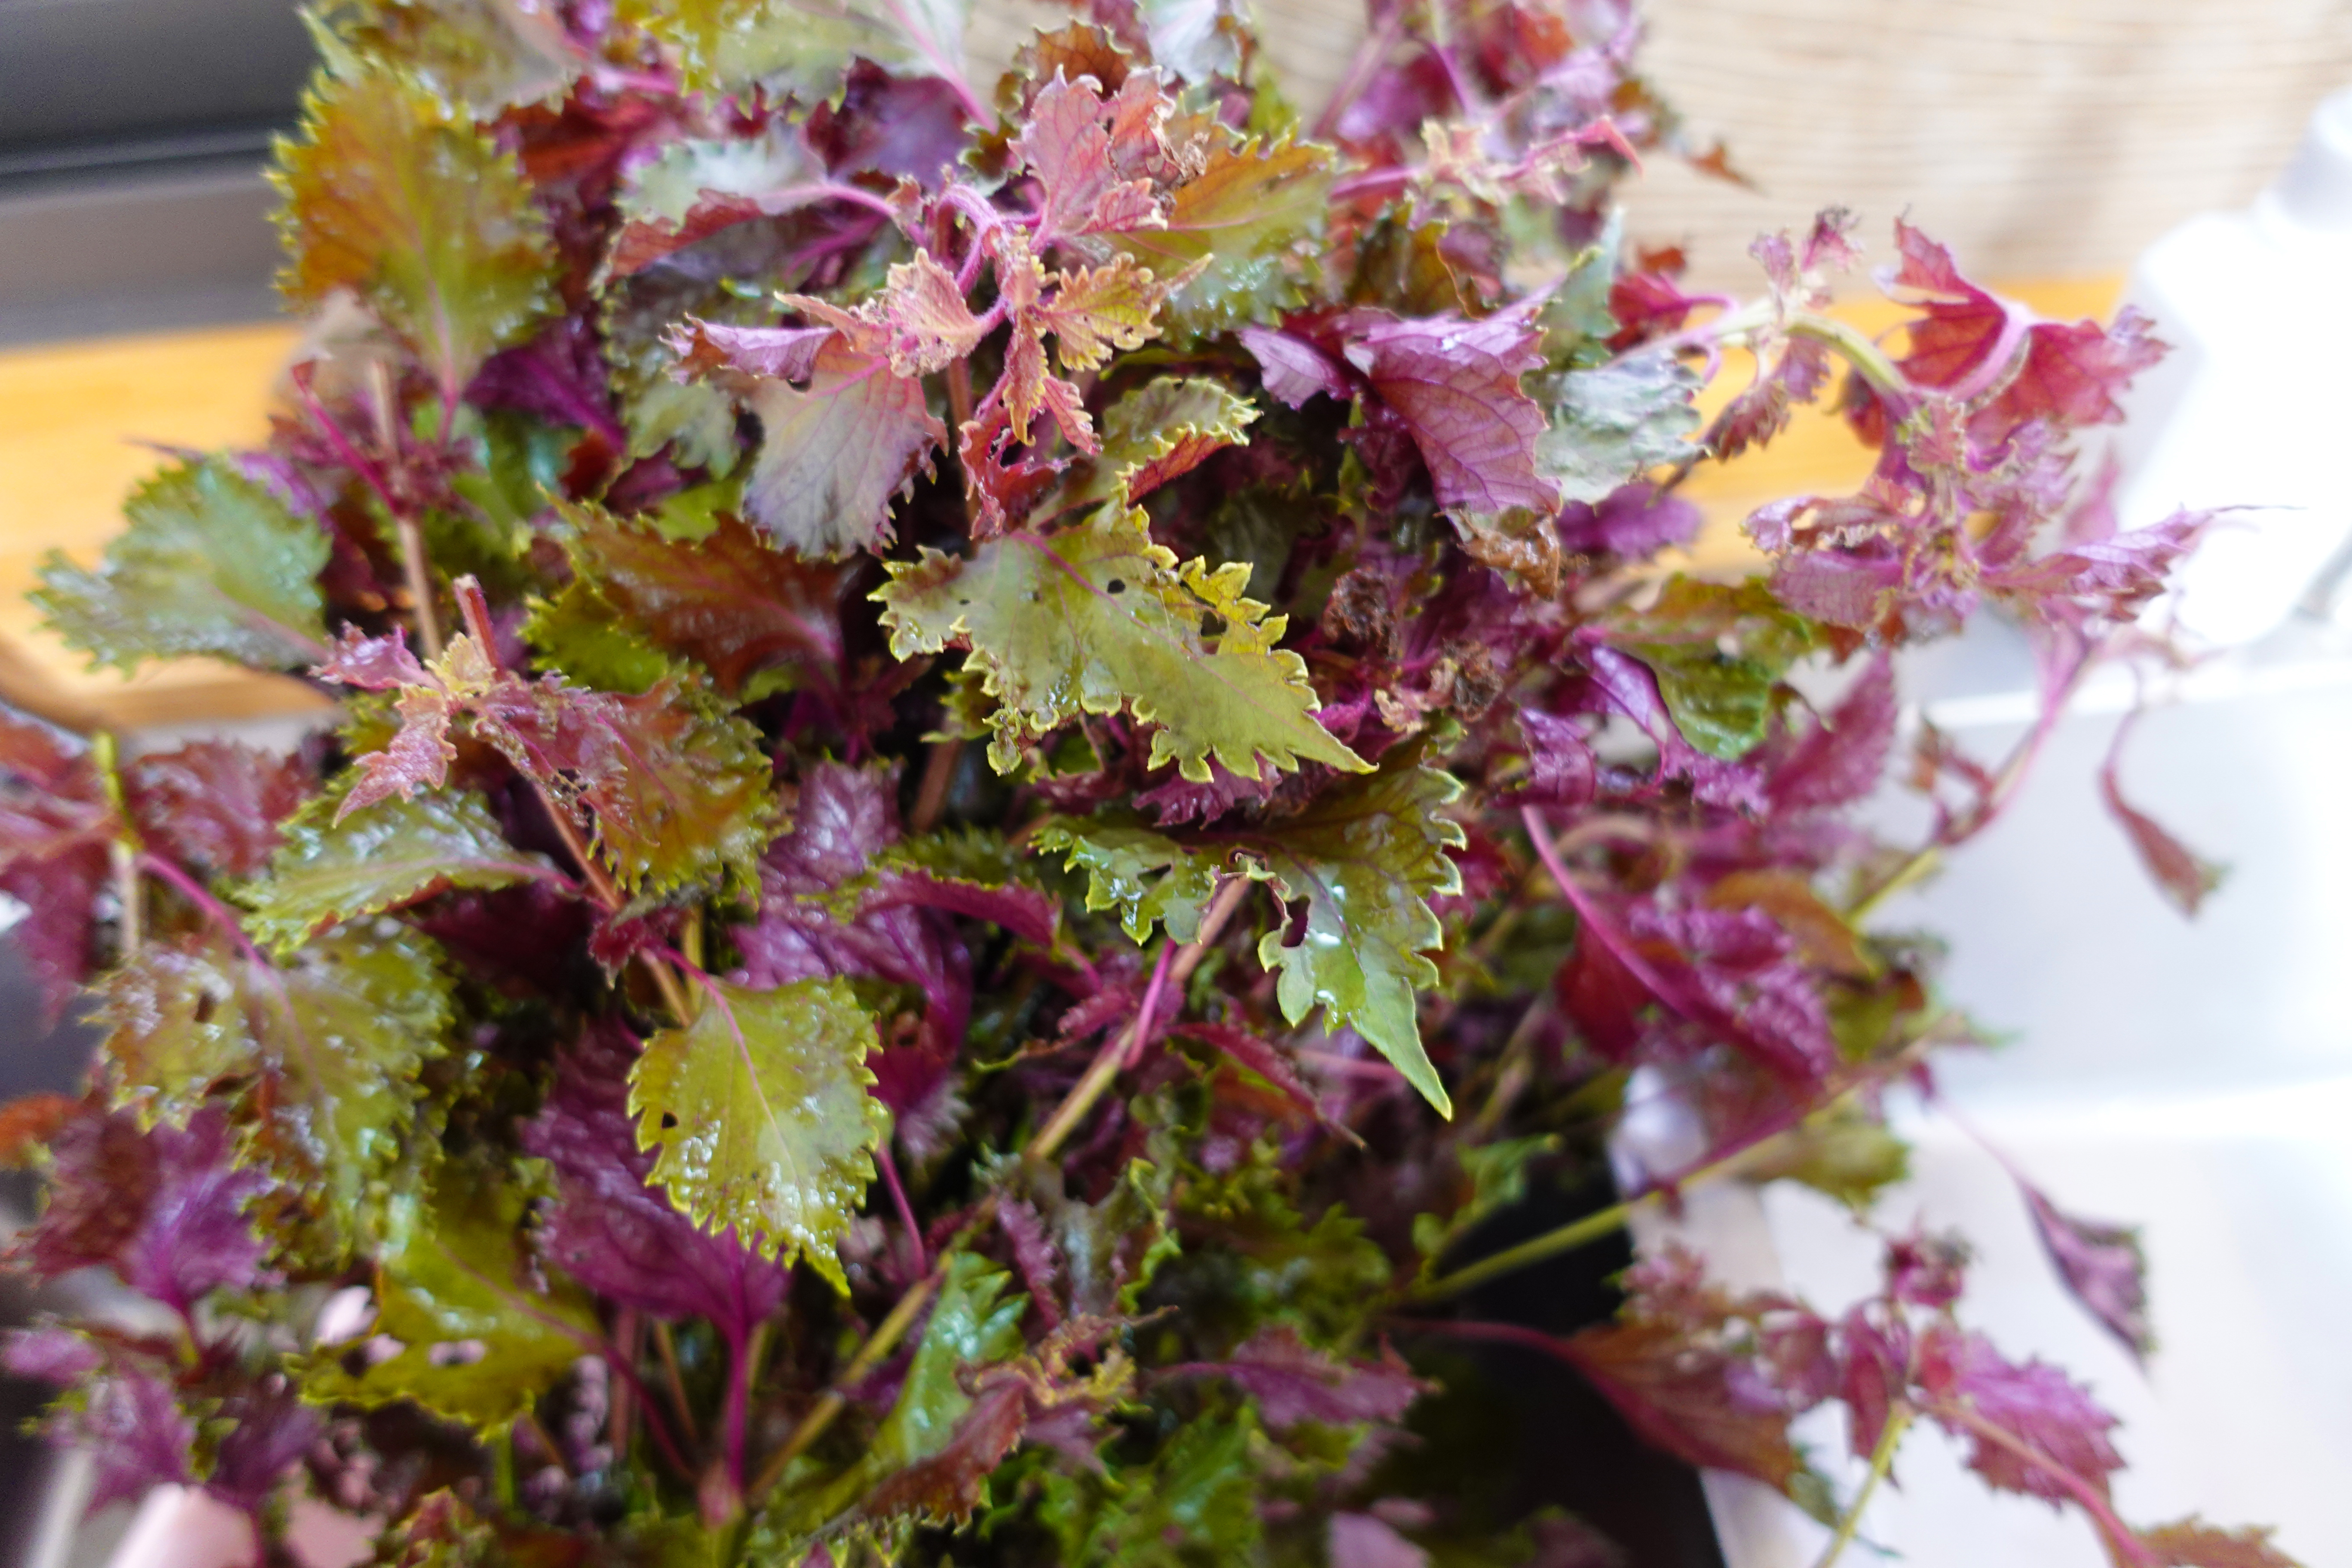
[
  {"x": 1293, "y": 369},
  {"x": 1840, "y": 758},
  {"x": 165, "y": 1208},
  {"x": 55, "y": 1355},
  {"x": 58, "y": 935},
  {"x": 615, "y": 1234},
  {"x": 372, "y": 664},
  {"x": 2114, "y": 577},
  {"x": 559, "y": 375},
  {"x": 1631, "y": 522},
  {"x": 137, "y": 1436},
  {"x": 195, "y": 1237},
  {"x": 1762, "y": 409},
  {"x": 2103, "y": 1267},
  {"x": 215, "y": 805},
  {"x": 1925, "y": 1270},
  {"x": 1683, "y": 1398},
  {"x": 779, "y": 354},
  {"x": 124, "y": 1415},
  {"x": 1455, "y": 384},
  {"x": 1034, "y": 1256},
  {"x": 1848, "y": 587},
  {"x": 888, "y": 125},
  {"x": 2193, "y": 1543},
  {"x": 897, "y": 934},
  {"x": 1362, "y": 1541},
  {"x": 270, "y": 1430},
  {"x": 1292, "y": 1381},
  {"x": 1021, "y": 910},
  {"x": 2184, "y": 876},
  {"x": 1563, "y": 769},
  {"x": 1178, "y": 799},
  {"x": 1629, "y": 686},
  {"x": 1871, "y": 1376},
  {"x": 2034, "y": 1406},
  {"x": 1259, "y": 1057},
  {"x": 1967, "y": 341}
]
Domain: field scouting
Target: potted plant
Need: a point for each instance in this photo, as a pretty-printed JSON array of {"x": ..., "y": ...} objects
[{"x": 1005, "y": 761}]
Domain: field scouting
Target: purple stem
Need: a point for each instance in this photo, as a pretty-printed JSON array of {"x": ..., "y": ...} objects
[
  {"x": 1698, "y": 1009},
  {"x": 1143, "y": 1014},
  {"x": 342, "y": 443},
  {"x": 187, "y": 887},
  {"x": 733, "y": 1419},
  {"x": 2122, "y": 1538},
  {"x": 890, "y": 1169},
  {"x": 1371, "y": 56}
]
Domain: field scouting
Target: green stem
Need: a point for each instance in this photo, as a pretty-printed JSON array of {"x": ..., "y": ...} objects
[
  {"x": 878, "y": 1345},
  {"x": 1865, "y": 355},
  {"x": 122, "y": 853},
  {"x": 1579, "y": 1233},
  {"x": 1882, "y": 1459},
  {"x": 1174, "y": 967}
]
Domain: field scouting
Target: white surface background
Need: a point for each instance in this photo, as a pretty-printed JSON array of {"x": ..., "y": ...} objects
[{"x": 2192, "y": 1077}]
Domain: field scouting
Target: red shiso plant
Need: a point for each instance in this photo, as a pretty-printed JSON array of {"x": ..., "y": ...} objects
[{"x": 1005, "y": 759}]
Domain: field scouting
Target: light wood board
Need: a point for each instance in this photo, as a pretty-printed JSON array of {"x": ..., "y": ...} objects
[{"x": 80, "y": 424}]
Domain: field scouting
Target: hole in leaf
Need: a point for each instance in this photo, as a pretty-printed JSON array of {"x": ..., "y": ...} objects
[
  {"x": 668, "y": 1120},
  {"x": 1117, "y": 585}
]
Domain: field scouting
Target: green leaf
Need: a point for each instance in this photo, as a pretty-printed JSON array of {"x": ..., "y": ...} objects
[
  {"x": 1195, "y": 1503},
  {"x": 175, "y": 1024},
  {"x": 972, "y": 1324},
  {"x": 1576, "y": 318},
  {"x": 1254, "y": 1258},
  {"x": 487, "y": 55},
  {"x": 663, "y": 204},
  {"x": 1115, "y": 1246},
  {"x": 801, "y": 46},
  {"x": 1145, "y": 874},
  {"x": 833, "y": 456},
  {"x": 727, "y": 600},
  {"x": 481, "y": 1339},
  {"x": 338, "y": 1037},
  {"x": 1367, "y": 856},
  {"x": 1842, "y": 1153},
  {"x": 364, "y": 1010},
  {"x": 1254, "y": 216},
  {"x": 693, "y": 514},
  {"x": 1160, "y": 431},
  {"x": 695, "y": 420},
  {"x": 212, "y": 563},
  {"x": 689, "y": 797},
  {"x": 520, "y": 463},
  {"x": 391, "y": 196},
  {"x": 578, "y": 632},
  {"x": 1099, "y": 619},
  {"x": 1717, "y": 649},
  {"x": 1613, "y": 423},
  {"x": 1498, "y": 1173},
  {"x": 380, "y": 857},
  {"x": 761, "y": 1111}
]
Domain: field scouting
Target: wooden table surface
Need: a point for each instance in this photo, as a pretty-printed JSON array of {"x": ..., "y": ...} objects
[{"x": 81, "y": 423}]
